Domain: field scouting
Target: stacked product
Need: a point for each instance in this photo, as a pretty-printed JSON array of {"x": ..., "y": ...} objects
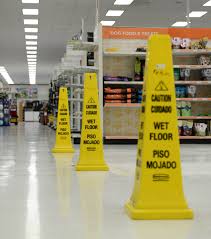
[
  {"x": 13, "y": 112},
  {"x": 4, "y": 110},
  {"x": 122, "y": 95}
]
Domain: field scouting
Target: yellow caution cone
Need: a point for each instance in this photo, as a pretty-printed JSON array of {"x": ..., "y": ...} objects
[
  {"x": 158, "y": 191},
  {"x": 91, "y": 148},
  {"x": 63, "y": 132}
]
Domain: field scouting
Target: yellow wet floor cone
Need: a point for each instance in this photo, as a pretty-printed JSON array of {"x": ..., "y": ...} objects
[
  {"x": 158, "y": 191},
  {"x": 91, "y": 148},
  {"x": 63, "y": 132}
]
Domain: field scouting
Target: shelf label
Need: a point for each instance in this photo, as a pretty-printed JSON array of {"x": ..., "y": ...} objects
[
  {"x": 63, "y": 132},
  {"x": 158, "y": 191},
  {"x": 91, "y": 147}
]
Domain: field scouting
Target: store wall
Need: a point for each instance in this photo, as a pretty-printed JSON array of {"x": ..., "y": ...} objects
[{"x": 42, "y": 90}]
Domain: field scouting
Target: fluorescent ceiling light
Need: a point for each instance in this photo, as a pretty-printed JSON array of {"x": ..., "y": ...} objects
[
  {"x": 197, "y": 13},
  {"x": 32, "y": 60},
  {"x": 30, "y": 21},
  {"x": 31, "y": 37},
  {"x": 114, "y": 13},
  {"x": 33, "y": 12},
  {"x": 34, "y": 30},
  {"x": 207, "y": 4},
  {"x": 31, "y": 43},
  {"x": 180, "y": 24},
  {"x": 31, "y": 56},
  {"x": 31, "y": 52},
  {"x": 30, "y": 1},
  {"x": 123, "y": 2},
  {"x": 31, "y": 48},
  {"x": 5, "y": 75},
  {"x": 32, "y": 64},
  {"x": 107, "y": 23}
]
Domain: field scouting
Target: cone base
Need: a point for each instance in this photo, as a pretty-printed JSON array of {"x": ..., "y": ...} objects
[
  {"x": 157, "y": 214},
  {"x": 62, "y": 150},
  {"x": 103, "y": 167}
]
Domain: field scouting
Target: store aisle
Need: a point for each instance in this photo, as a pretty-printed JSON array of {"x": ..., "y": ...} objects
[{"x": 42, "y": 197}]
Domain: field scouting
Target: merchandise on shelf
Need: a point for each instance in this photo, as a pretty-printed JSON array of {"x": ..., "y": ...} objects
[{"x": 200, "y": 129}]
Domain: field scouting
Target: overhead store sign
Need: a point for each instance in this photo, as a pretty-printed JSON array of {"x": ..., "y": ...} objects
[{"x": 145, "y": 33}]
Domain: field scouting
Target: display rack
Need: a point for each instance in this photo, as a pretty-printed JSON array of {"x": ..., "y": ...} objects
[
  {"x": 80, "y": 57},
  {"x": 119, "y": 54}
]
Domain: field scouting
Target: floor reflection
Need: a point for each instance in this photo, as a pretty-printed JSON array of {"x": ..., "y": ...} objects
[
  {"x": 33, "y": 213},
  {"x": 91, "y": 186},
  {"x": 64, "y": 174}
]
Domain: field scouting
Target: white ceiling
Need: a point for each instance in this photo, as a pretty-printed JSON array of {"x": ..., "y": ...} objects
[{"x": 60, "y": 19}]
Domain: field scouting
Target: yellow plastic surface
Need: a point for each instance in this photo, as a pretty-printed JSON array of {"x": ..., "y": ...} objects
[
  {"x": 91, "y": 148},
  {"x": 158, "y": 191},
  {"x": 63, "y": 132}
]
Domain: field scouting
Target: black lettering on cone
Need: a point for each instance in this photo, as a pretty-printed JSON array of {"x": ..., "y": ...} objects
[
  {"x": 161, "y": 98},
  {"x": 91, "y": 141},
  {"x": 161, "y": 153},
  {"x": 160, "y": 136},
  {"x": 161, "y": 164},
  {"x": 161, "y": 109}
]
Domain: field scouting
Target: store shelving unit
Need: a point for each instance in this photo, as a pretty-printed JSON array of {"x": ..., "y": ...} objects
[
  {"x": 121, "y": 119},
  {"x": 72, "y": 68}
]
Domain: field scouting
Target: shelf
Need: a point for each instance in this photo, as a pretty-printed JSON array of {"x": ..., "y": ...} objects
[
  {"x": 83, "y": 46},
  {"x": 76, "y": 100},
  {"x": 141, "y": 82},
  {"x": 189, "y": 52},
  {"x": 195, "y": 137},
  {"x": 79, "y": 70},
  {"x": 136, "y": 137},
  {"x": 176, "y": 52},
  {"x": 193, "y": 82},
  {"x": 192, "y": 67},
  {"x": 122, "y": 105},
  {"x": 121, "y": 137},
  {"x": 194, "y": 99},
  {"x": 194, "y": 117},
  {"x": 124, "y": 53},
  {"x": 76, "y": 85},
  {"x": 124, "y": 82}
]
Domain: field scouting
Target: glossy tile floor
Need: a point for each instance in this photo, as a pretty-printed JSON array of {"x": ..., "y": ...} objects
[{"x": 41, "y": 196}]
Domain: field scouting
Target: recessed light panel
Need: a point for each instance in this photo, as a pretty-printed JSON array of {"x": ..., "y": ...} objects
[
  {"x": 28, "y": 12},
  {"x": 31, "y": 30},
  {"x": 114, "y": 13},
  {"x": 30, "y": 1},
  {"x": 31, "y": 56},
  {"x": 6, "y": 76},
  {"x": 30, "y": 21},
  {"x": 180, "y": 24},
  {"x": 123, "y": 2},
  {"x": 31, "y": 48},
  {"x": 197, "y": 13},
  {"x": 107, "y": 23},
  {"x": 207, "y": 4},
  {"x": 34, "y": 43},
  {"x": 31, "y": 52}
]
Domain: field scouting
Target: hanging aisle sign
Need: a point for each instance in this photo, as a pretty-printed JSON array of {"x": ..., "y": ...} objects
[
  {"x": 91, "y": 147},
  {"x": 158, "y": 191},
  {"x": 63, "y": 132}
]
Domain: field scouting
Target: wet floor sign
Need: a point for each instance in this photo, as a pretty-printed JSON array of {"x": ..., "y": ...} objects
[
  {"x": 158, "y": 191},
  {"x": 63, "y": 133},
  {"x": 91, "y": 148}
]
